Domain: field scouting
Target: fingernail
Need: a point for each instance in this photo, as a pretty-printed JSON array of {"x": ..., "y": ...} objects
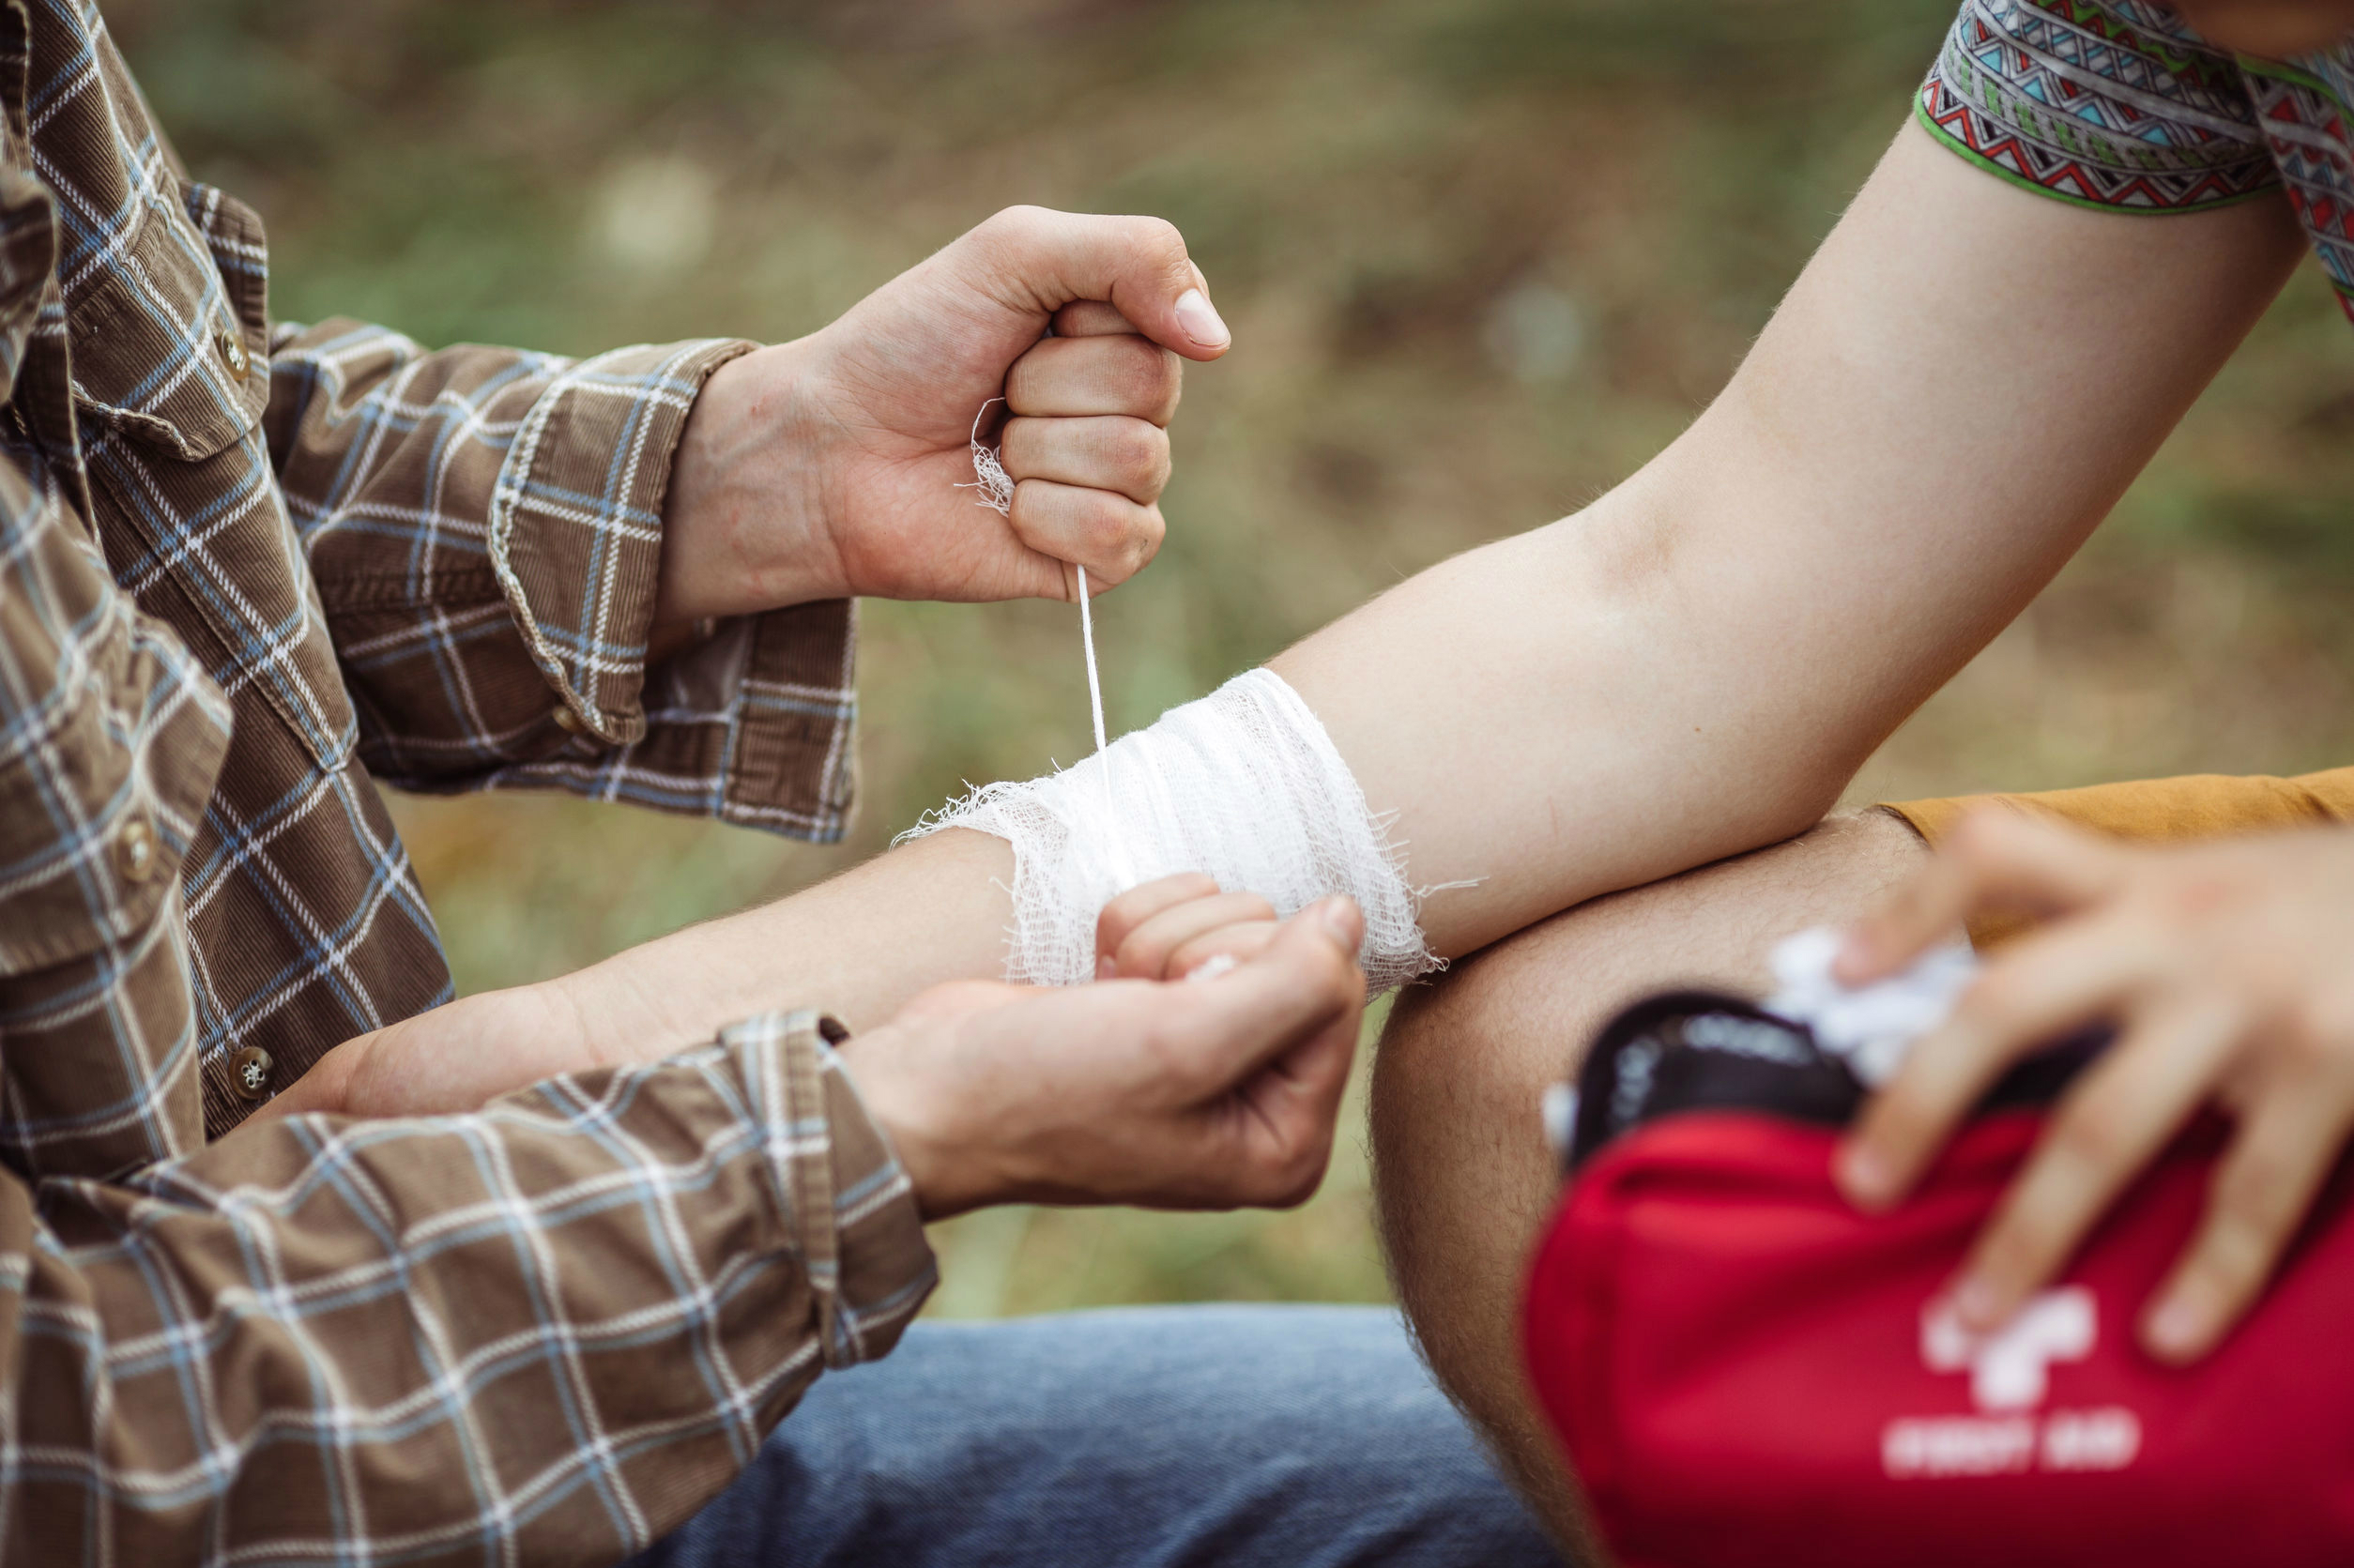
[
  {"x": 1977, "y": 1306},
  {"x": 1215, "y": 964},
  {"x": 1106, "y": 967},
  {"x": 2173, "y": 1330},
  {"x": 1340, "y": 918},
  {"x": 1200, "y": 321}
]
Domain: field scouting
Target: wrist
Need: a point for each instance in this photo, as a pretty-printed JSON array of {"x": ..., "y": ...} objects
[
  {"x": 743, "y": 517},
  {"x": 944, "y": 1165},
  {"x": 613, "y": 1015}
]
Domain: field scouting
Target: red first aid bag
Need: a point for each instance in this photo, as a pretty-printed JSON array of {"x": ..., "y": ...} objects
[{"x": 1746, "y": 1371}]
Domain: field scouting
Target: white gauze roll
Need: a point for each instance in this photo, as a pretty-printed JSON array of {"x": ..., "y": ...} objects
[{"x": 1244, "y": 785}]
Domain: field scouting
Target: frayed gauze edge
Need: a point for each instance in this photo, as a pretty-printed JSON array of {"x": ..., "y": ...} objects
[{"x": 1244, "y": 785}]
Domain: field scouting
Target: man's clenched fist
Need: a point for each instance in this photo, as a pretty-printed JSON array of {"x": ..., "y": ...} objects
[{"x": 828, "y": 467}]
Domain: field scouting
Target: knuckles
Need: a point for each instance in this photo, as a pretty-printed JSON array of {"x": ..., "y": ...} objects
[
  {"x": 1156, "y": 247},
  {"x": 1139, "y": 957},
  {"x": 1137, "y": 452},
  {"x": 1156, "y": 239},
  {"x": 1121, "y": 539},
  {"x": 1108, "y": 534},
  {"x": 1014, "y": 225},
  {"x": 1113, "y": 374},
  {"x": 1142, "y": 378},
  {"x": 1160, "y": 385},
  {"x": 1118, "y": 452}
]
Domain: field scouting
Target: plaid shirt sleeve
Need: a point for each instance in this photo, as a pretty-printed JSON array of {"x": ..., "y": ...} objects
[
  {"x": 484, "y": 524},
  {"x": 544, "y": 1333}
]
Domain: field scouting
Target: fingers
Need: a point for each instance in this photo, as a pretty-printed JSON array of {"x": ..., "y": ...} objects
[
  {"x": 1284, "y": 1114},
  {"x": 1305, "y": 982},
  {"x": 1140, "y": 903},
  {"x": 2023, "y": 998},
  {"x": 1145, "y": 953},
  {"x": 2212, "y": 963},
  {"x": 1186, "y": 1096},
  {"x": 1087, "y": 448},
  {"x": 1090, "y": 318},
  {"x": 2284, "y": 1148},
  {"x": 1239, "y": 944},
  {"x": 1110, "y": 535},
  {"x": 1042, "y": 260},
  {"x": 1102, "y": 451},
  {"x": 2116, "y": 1117},
  {"x": 1111, "y": 374},
  {"x": 1994, "y": 859},
  {"x": 1167, "y": 929},
  {"x": 323, "y": 1087},
  {"x": 1287, "y": 1114}
]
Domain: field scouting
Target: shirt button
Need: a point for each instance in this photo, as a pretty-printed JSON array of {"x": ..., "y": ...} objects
[
  {"x": 569, "y": 721},
  {"x": 251, "y": 1071},
  {"x": 136, "y": 853},
  {"x": 233, "y": 353}
]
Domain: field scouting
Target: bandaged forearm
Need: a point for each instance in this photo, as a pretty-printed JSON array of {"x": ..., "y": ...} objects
[{"x": 1244, "y": 785}]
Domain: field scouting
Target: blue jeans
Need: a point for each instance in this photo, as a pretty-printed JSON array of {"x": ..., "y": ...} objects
[{"x": 1294, "y": 1437}]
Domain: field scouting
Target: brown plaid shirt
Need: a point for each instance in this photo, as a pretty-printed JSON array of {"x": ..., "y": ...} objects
[{"x": 246, "y": 572}]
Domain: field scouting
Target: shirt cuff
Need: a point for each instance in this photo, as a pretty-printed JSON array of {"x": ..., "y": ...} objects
[
  {"x": 576, "y": 522},
  {"x": 847, "y": 1200},
  {"x": 754, "y": 723}
]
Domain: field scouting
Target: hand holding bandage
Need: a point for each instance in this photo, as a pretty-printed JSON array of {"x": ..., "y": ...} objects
[
  {"x": 2223, "y": 966},
  {"x": 1153, "y": 1091},
  {"x": 828, "y": 467}
]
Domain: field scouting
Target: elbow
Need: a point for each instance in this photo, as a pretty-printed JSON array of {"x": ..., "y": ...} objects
[{"x": 1793, "y": 793}]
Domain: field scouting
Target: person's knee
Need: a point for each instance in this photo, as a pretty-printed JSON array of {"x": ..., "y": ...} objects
[
  {"x": 1466, "y": 1058},
  {"x": 1463, "y": 1176},
  {"x": 1460, "y": 1153}
]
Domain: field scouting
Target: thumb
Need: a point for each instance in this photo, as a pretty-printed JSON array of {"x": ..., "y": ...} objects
[
  {"x": 1037, "y": 259},
  {"x": 1305, "y": 982}
]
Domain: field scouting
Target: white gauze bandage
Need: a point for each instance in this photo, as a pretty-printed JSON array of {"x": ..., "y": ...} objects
[
  {"x": 1873, "y": 1026},
  {"x": 1244, "y": 785}
]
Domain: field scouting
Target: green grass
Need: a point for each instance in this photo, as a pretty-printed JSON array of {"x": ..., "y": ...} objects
[{"x": 1366, "y": 183}]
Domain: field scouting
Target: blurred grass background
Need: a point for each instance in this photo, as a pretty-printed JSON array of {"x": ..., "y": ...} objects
[{"x": 1482, "y": 257}]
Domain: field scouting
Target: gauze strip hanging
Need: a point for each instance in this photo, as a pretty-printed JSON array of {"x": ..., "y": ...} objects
[
  {"x": 1244, "y": 785},
  {"x": 997, "y": 493}
]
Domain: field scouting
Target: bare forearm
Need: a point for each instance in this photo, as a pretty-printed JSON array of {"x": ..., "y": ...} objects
[
  {"x": 860, "y": 946},
  {"x": 1695, "y": 664},
  {"x": 1952, "y": 396}
]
